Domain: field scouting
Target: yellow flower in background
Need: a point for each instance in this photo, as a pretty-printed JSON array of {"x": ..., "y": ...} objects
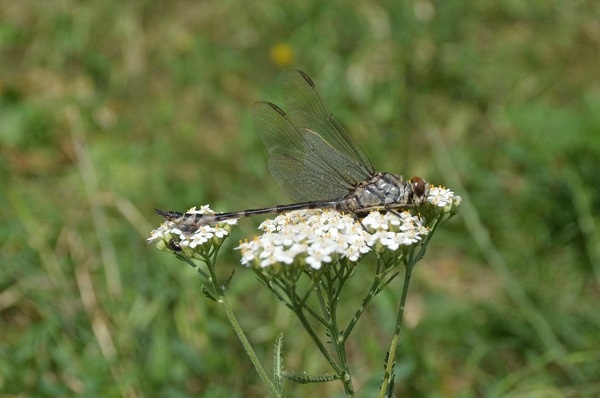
[{"x": 282, "y": 55}]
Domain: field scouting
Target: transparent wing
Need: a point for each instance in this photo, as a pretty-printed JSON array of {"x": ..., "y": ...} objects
[
  {"x": 301, "y": 161},
  {"x": 306, "y": 111}
]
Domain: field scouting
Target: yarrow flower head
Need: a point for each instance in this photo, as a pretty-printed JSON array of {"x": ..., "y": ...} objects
[
  {"x": 441, "y": 202},
  {"x": 445, "y": 198},
  {"x": 171, "y": 237},
  {"x": 315, "y": 238},
  {"x": 395, "y": 230}
]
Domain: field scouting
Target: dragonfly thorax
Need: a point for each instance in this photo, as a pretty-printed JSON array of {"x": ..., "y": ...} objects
[{"x": 385, "y": 191}]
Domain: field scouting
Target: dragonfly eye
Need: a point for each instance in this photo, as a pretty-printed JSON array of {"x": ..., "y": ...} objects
[{"x": 418, "y": 186}]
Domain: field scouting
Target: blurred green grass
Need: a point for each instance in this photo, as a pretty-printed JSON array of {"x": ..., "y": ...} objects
[{"x": 110, "y": 109}]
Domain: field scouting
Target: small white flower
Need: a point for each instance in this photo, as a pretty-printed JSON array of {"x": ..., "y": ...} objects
[
  {"x": 375, "y": 221},
  {"x": 248, "y": 250},
  {"x": 443, "y": 197},
  {"x": 317, "y": 258},
  {"x": 393, "y": 229}
]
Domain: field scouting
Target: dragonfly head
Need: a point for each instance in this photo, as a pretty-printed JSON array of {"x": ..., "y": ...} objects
[{"x": 420, "y": 188}]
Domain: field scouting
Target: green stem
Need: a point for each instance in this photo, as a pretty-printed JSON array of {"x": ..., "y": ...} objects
[
  {"x": 339, "y": 341},
  {"x": 374, "y": 289},
  {"x": 392, "y": 351},
  {"x": 210, "y": 262},
  {"x": 341, "y": 371},
  {"x": 247, "y": 347},
  {"x": 327, "y": 302},
  {"x": 311, "y": 332}
]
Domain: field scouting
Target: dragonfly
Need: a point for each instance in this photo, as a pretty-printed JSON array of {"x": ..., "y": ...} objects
[{"x": 313, "y": 159}]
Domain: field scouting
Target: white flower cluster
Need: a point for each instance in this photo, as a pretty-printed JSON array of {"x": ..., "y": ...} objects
[
  {"x": 442, "y": 197},
  {"x": 203, "y": 235},
  {"x": 393, "y": 230},
  {"x": 317, "y": 237}
]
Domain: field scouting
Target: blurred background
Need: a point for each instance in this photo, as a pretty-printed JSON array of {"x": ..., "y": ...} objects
[{"x": 110, "y": 109}]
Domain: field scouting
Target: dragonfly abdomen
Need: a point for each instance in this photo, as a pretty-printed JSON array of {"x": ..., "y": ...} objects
[{"x": 190, "y": 222}]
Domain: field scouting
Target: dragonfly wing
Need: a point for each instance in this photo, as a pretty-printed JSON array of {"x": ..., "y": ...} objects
[
  {"x": 300, "y": 160},
  {"x": 306, "y": 111},
  {"x": 309, "y": 185}
]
